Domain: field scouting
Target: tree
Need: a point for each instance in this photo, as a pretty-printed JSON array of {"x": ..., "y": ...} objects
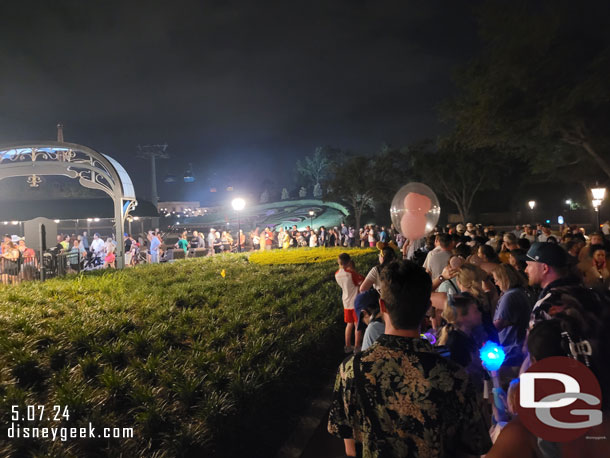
[
  {"x": 357, "y": 182},
  {"x": 317, "y": 191},
  {"x": 285, "y": 195},
  {"x": 456, "y": 172},
  {"x": 302, "y": 192},
  {"x": 317, "y": 167},
  {"x": 540, "y": 85},
  {"x": 264, "y": 197}
]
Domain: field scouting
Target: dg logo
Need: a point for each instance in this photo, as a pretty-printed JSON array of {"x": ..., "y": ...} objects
[{"x": 559, "y": 399}]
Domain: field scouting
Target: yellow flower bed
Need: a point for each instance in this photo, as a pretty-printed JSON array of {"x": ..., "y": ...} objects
[{"x": 305, "y": 255}]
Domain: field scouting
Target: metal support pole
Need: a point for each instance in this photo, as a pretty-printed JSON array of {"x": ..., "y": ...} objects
[
  {"x": 42, "y": 244},
  {"x": 597, "y": 218},
  {"x": 153, "y": 167},
  {"x": 118, "y": 230}
]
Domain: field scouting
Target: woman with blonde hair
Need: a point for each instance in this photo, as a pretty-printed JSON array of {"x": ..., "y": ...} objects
[
  {"x": 473, "y": 280},
  {"x": 470, "y": 278},
  {"x": 110, "y": 257},
  {"x": 511, "y": 316}
]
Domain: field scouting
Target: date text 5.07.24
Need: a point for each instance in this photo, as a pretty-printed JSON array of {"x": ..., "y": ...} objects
[{"x": 39, "y": 413}]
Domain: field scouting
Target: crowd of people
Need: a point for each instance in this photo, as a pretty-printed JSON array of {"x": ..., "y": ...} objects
[
  {"x": 280, "y": 237},
  {"x": 284, "y": 237},
  {"x": 72, "y": 253},
  {"x": 414, "y": 384}
]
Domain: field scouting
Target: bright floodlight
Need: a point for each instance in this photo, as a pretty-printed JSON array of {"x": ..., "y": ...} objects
[
  {"x": 596, "y": 203},
  {"x": 598, "y": 193},
  {"x": 56, "y": 221},
  {"x": 312, "y": 213},
  {"x": 532, "y": 204},
  {"x": 96, "y": 219},
  {"x": 238, "y": 204},
  {"x": 569, "y": 202}
]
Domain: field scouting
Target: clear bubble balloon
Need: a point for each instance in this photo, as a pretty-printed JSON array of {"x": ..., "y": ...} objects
[{"x": 415, "y": 210}]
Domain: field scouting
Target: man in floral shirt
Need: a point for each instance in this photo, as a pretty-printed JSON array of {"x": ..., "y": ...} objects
[{"x": 399, "y": 398}]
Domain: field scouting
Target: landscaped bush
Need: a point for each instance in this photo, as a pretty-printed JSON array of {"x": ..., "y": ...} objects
[
  {"x": 198, "y": 364},
  {"x": 306, "y": 255}
]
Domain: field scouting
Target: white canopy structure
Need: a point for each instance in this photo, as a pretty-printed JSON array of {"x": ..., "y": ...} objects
[{"x": 93, "y": 170}]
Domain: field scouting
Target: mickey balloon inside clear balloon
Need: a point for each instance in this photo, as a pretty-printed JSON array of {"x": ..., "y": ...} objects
[{"x": 415, "y": 210}]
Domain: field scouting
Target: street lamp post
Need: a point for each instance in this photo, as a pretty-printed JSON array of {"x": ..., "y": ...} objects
[
  {"x": 311, "y": 215},
  {"x": 598, "y": 196},
  {"x": 238, "y": 205},
  {"x": 531, "y": 204}
]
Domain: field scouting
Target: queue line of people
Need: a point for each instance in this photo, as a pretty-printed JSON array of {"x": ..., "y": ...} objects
[{"x": 431, "y": 314}]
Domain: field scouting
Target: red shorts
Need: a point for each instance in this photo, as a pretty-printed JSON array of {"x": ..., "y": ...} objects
[{"x": 349, "y": 316}]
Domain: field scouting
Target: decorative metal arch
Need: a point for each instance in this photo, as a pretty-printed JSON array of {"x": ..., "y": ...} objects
[{"x": 93, "y": 170}]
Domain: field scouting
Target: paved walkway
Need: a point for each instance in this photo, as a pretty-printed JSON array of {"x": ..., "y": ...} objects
[
  {"x": 322, "y": 444},
  {"x": 310, "y": 438}
]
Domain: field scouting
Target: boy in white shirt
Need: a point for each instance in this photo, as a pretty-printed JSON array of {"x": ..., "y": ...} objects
[{"x": 349, "y": 280}]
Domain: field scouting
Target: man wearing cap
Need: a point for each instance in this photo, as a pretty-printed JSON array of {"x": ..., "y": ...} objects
[
  {"x": 528, "y": 233},
  {"x": 546, "y": 233},
  {"x": 547, "y": 267}
]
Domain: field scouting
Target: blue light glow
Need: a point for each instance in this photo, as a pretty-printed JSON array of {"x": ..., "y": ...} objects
[
  {"x": 429, "y": 337},
  {"x": 492, "y": 356}
]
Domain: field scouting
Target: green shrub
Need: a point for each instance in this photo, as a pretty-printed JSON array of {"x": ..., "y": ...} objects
[
  {"x": 189, "y": 358},
  {"x": 306, "y": 255}
]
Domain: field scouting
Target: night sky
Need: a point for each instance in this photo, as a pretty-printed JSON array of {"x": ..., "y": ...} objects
[{"x": 239, "y": 89}]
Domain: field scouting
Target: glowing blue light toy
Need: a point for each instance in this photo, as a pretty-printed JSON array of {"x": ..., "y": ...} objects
[{"x": 492, "y": 356}]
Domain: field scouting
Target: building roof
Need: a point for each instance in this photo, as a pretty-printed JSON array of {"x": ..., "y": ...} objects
[{"x": 15, "y": 210}]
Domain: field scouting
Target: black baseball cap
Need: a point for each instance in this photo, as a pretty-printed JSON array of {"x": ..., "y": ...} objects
[
  {"x": 547, "y": 253},
  {"x": 367, "y": 299}
]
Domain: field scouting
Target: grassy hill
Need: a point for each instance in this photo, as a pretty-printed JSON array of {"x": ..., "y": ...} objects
[{"x": 197, "y": 363}]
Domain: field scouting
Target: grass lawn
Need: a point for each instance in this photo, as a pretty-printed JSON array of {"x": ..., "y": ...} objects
[{"x": 197, "y": 364}]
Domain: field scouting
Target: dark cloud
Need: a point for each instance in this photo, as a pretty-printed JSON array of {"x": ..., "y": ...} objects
[{"x": 241, "y": 86}]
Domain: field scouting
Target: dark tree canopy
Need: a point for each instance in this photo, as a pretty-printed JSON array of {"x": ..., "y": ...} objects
[
  {"x": 540, "y": 86},
  {"x": 357, "y": 182},
  {"x": 457, "y": 172}
]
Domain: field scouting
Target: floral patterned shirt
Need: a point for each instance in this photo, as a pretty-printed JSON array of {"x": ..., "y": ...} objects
[{"x": 418, "y": 404}]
